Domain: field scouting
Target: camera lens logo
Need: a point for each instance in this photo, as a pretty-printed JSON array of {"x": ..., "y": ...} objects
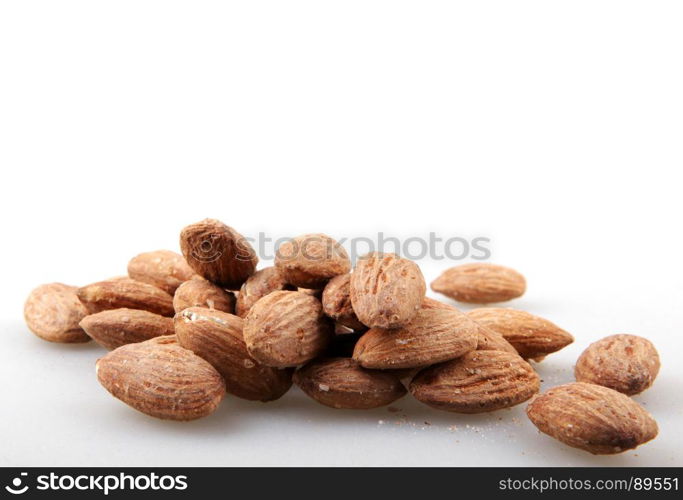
[
  {"x": 16, "y": 488},
  {"x": 208, "y": 250}
]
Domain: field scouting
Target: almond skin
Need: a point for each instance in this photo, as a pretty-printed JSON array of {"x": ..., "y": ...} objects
[
  {"x": 342, "y": 383},
  {"x": 128, "y": 293},
  {"x": 479, "y": 381},
  {"x": 310, "y": 260},
  {"x": 259, "y": 284},
  {"x": 117, "y": 327},
  {"x": 336, "y": 300},
  {"x": 286, "y": 329},
  {"x": 201, "y": 293},
  {"x": 162, "y": 268},
  {"x": 532, "y": 336},
  {"x": 218, "y": 253},
  {"x": 217, "y": 337},
  {"x": 53, "y": 311},
  {"x": 480, "y": 283},
  {"x": 386, "y": 290},
  {"x": 592, "y": 418},
  {"x": 163, "y": 380},
  {"x": 626, "y": 363},
  {"x": 434, "y": 335}
]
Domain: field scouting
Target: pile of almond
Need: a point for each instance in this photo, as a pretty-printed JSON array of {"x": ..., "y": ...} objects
[{"x": 184, "y": 330}]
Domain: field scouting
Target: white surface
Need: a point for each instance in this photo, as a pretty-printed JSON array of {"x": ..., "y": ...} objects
[{"x": 552, "y": 128}]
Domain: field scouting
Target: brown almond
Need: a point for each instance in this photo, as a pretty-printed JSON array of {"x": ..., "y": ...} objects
[
  {"x": 53, "y": 311},
  {"x": 625, "y": 363},
  {"x": 310, "y": 260},
  {"x": 259, "y": 284},
  {"x": 479, "y": 381},
  {"x": 336, "y": 300},
  {"x": 199, "y": 292},
  {"x": 286, "y": 329},
  {"x": 342, "y": 383},
  {"x": 126, "y": 293},
  {"x": 386, "y": 290},
  {"x": 218, "y": 253},
  {"x": 590, "y": 417},
  {"x": 162, "y": 268},
  {"x": 480, "y": 283},
  {"x": 434, "y": 335},
  {"x": 163, "y": 380},
  {"x": 532, "y": 336},
  {"x": 117, "y": 327},
  {"x": 216, "y": 336}
]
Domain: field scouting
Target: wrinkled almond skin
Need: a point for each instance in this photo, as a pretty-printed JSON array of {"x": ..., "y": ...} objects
[
  {"x": 593, "y": 418},
  {"x": 218, "y": 253},
  {"x": 161, "y": 379},
  {"x": 285, "y": 329},
  {"x": 386, "y": 290},
  {"x": 201, "y": 293},
  {"x": 480, "y": 283},
  {"x": 342, "y": 383},
  {"x": 128, "y": 293},
  {"x": 259, "y": 284},
  {"x": 626, "y": 363},
  {"x": 433, "y": 336},
  {"x": 217, "y": 337},
  {"x": 53, "y": 311},
  {"x": 479, "y": 381},
  {"x": 162, "y": 268},
  {"x": 532, "y": 336},
  {"x": 310, "y": 260},
  {"x": 336, "y": 300},
  {"x": 117, "y": 327}
]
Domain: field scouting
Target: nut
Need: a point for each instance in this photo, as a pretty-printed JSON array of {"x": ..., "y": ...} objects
[
  {"x": 386, "y": 290},
  {"x": 259, "y": 284},
  {"x": 117, "y": 327},
  {"x": 479, "y": 381},
  {"x": 309, "y": 261},
  {"x": 201, "y": 293},
  {"x": 162, "y": 268},
  {"x": 216, "y": 336},
  {"x": 128, "y": 293},
  {"x": 53, "y": 311},
  {"x": 597, "y": 419},
  {"x": 480, "y": 283},
  {"x": 336, "y": 300},
  {"x": 163, "y": 380},
  {"x": 625, "y": 363}
]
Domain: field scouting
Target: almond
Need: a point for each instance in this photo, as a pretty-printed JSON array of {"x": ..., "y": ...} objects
[
  {"x": 216, "y": 336},
  {"x": 479, "y": 381},
  {"x": 259, "y": 284},
  {"x": 117, "y": 327},
  {"x": 597, "y": 419},
  {"x": 342, "y": 383},
  {"x": 309, "y": 261},
  {"x": 336, "y": 300},
  {"x": 163, "y": 380},
  {"x": 434, "y": 335},
  {"x": 625, "y": 363},
  {"x": 386, "y": 290},
  {"x": 162, "y": 268},
  {"x": 532, "y": 336},
  {"x": 286, "y": 329},
  {"x": 218, "y": 253},
  {"x": 53, "y": 311},
  {"x": 128, "y": 293},
  {"x": 480, "y": 283},
  {"x": 201, "y": 293}
]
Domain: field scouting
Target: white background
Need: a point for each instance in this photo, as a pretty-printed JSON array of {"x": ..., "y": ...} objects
[{"x": 553, "y": 128}]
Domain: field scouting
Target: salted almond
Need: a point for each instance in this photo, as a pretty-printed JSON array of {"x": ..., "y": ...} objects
[
  {"x": 199, "y": 292},
  {"x": 217, "y": 337},
  {"x": 479, "y": 381},
  {"x": 336, "y": 300},
  {"x": 126, "y": 293},
  {"x": 342, "y": 383},
  {"x": 117, "y": 327},
  {"x": 625, "y": 363},
  {"x": 480, "y": 283},
  {"x": 532, "y": 336},
  {"x": 310, "y": 260},
  {"x": 259, "y": 284},
  {"x": 53, "y": 311},
  {"x": 162, "y": 268},
  {"x": 590, "y": 417}
]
